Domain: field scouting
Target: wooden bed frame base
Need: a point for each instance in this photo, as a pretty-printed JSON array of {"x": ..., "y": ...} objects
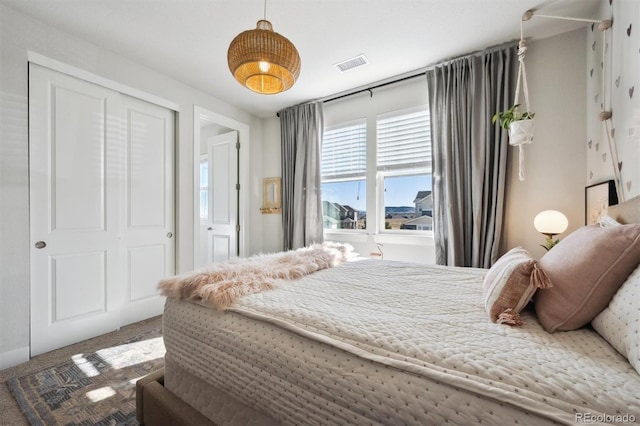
[{"x": 155, "y": 405}]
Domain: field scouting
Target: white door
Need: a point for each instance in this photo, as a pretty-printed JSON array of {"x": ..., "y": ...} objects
[
  {"x": 79, "y": 243},
  {"x": 221, "y": 230},
  {"x": 74, "y": 161},
  {"x": 147, "y": 239}
]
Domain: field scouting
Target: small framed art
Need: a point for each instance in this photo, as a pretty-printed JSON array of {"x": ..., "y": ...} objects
[
  {"x": 597, "y": 198},
  {"x": 272, "y": 195}
]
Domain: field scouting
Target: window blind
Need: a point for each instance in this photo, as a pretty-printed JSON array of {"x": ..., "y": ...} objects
[
  {"x": 344, "y": 152},
  {"x": 404, "y": 140}
]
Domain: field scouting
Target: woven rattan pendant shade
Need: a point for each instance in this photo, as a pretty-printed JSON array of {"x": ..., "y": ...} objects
[{"x": 263, "y": 60}]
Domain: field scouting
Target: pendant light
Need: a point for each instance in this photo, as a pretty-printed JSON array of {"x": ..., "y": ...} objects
[{"x": 263, "y": 60}]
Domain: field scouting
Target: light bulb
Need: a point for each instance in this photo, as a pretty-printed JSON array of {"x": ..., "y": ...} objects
[{"x": 264, "y": 66}]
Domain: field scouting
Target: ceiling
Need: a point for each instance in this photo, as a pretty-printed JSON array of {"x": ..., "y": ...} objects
[{"x": 188, "y": 39}]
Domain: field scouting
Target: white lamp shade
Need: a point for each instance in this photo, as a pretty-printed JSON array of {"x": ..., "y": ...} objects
[{"x": 551, "y": 222}]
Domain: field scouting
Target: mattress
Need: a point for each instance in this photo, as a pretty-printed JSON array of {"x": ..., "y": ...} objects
[{"x": 383, "y": 342}]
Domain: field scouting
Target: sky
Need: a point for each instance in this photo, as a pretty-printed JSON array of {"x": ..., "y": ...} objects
[{"x": 400, "y": 191}]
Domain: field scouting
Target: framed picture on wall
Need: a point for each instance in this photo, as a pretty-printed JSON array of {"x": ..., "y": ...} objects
[{"x": 597, "y": 199}]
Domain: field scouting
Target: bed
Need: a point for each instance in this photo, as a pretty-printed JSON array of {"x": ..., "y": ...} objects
[{"x": 384, "y": 342}]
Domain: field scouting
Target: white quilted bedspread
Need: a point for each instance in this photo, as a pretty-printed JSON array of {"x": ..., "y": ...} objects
[{"x": 386, "y": 342}]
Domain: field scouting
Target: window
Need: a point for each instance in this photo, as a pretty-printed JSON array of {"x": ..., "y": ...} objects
[
  {"x": 344, "y": 186},
  {"x": 404, "y": 169},
  {"x": 401, "y": 164},
  {"x": 407, "y": 204},
  {"x": 204, "y": 187}
]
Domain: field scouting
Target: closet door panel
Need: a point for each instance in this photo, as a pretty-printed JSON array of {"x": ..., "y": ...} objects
[
  {"x": 74, "y": 203},
  {"x": 78, "y": 150},
  {"x": 146, "y": 171},
  {"x": 144, "y": 271},
  {"x": 66, "y": 271},
  {"x": 147, "y": 238}
]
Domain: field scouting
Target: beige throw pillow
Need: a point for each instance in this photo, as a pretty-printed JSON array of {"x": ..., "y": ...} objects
[
  {"x": 586, "y": 269},
  {"x": 510, "y": 284}
]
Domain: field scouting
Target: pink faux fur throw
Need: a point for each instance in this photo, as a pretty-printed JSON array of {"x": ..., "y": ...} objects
[{"x": 221, "y": 285}]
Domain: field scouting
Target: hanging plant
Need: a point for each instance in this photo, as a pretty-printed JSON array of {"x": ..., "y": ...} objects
[
  {"x": 512, "y": 114},
  {"x": 518, "y": 123}
]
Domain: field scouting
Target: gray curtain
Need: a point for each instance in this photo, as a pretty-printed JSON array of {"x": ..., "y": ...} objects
[
  {"x": 469, "y": 155},
  {"x": 301, "y": 129}
]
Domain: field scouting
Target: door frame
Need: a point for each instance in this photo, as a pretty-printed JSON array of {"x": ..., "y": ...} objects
[{"x": 203, "y": 115}]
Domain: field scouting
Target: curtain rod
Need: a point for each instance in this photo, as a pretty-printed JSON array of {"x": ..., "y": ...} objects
[
  {"x": 377, "y": 86},
  {"x": 368, "y": 89}
]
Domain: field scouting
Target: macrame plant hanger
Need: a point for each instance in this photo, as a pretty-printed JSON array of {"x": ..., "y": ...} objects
[
  {"x": 604, "y": 114},
  {"x": 521, "y": 132}
]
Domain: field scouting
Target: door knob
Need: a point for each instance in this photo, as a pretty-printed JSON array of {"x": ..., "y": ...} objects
[
  {"x": 210, "y": 228},
  {"x": 169, "y": 235},
  {"x": 40, "y": 245}
]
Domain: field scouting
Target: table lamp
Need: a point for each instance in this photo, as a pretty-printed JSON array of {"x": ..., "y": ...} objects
[{"x": 550, "y": 223}]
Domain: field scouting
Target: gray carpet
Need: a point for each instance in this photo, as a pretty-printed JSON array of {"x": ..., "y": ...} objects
[{"x": 10, "y": 413}]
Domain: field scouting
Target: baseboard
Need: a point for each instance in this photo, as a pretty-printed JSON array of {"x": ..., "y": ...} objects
[{"x": 14, "y": 357}]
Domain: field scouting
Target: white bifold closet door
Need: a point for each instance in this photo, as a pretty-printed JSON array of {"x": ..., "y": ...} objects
[{"x": 101, "y": 208}]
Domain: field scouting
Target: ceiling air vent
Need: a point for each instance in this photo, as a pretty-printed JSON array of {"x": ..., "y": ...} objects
[{"x": 352, "y": 63}]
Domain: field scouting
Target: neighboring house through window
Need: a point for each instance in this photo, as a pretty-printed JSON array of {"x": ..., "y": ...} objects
[
  {"x": 338, "y": 216},
  {"x": 424, "y": 203},
  {"x": 424, "y": 213}
]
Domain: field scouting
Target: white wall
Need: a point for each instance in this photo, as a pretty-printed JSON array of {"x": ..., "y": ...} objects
[
  {"x": 19, "y": 34},
  {"x": 272, "y": 233},
  {"x": 555, "y": 162}
]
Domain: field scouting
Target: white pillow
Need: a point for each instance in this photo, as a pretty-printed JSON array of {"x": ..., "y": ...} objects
[
  {"x": 607, "y": 221},
  {"x": 619, "y": 323}
]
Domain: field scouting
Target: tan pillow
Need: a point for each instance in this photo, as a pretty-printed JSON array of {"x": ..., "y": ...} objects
[
  {"x": 586, "y": 269},
  {"x": 510, "y": 284}
]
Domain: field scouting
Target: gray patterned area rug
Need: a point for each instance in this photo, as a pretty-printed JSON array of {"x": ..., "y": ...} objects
[{"x": 91, "y": 389}]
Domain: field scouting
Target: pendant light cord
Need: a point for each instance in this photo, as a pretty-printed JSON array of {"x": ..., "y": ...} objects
[{"x": 265, "y": 10}]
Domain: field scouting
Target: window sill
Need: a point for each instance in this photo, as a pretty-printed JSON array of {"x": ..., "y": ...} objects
[
  {"x": 347, "y": 236},
  {"x": 385, "y": 238},
  {"x": 411, "y": 239}
]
